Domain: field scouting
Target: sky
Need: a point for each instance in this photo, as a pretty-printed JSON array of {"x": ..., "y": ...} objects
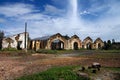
[{"x": 94, "y": 18}]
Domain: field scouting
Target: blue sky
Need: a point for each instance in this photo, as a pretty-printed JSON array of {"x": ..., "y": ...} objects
[{"x": 94, "y": 18}]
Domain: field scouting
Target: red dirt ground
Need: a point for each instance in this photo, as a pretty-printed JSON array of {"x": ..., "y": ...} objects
[{"x": 13, "y": 67}]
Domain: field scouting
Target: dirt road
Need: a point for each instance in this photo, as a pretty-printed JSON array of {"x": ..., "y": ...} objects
[{"x": 12, "y": 67}]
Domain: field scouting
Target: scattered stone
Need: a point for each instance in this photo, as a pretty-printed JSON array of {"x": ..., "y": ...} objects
[
  {"x": 96, "y": 65},
  {"x": 98, "y": 69},
  {"x": 83, "y": 68},
  {"x": 89, "y": 67},
  {"x": 94, "y": 71},
  {"x": 116, "y": 76},
  {"x": 98, "y": 79},
  {"x": 82, "y": 74}
]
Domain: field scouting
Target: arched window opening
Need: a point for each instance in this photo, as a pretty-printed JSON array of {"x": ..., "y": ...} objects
[
  {"x": 75, "y": 46},
  {"x": 57, "y": 45},
  {"x": 89, "y": 46}
]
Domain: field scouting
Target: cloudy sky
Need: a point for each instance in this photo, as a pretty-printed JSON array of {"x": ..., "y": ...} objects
[{"x": 94, "y": 18}]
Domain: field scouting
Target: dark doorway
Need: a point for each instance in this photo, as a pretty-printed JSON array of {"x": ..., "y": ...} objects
[
  {"x": 83, "y": 46},
  {"x": 99, "y": 46},
  {"x": 89, "y": 46},
  {"x": 18, "y": 45},
  {"x": 57, "y": 45},
  {"x": 43, "y": 44},
  {"x": 75, "y": 46},
  {"x": 30, "y": 44}
]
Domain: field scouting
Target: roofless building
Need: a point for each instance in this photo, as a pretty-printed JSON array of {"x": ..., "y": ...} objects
[{"x": 60, "y": 42}]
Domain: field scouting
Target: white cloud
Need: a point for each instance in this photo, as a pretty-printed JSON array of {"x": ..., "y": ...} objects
[
  {"x": 40, "y": 24},
  {"x": 2, "y": 20},
  {"x": 13, "y": 10},
  {"x": 107, "y": 23},
  {"x": 33, "y": 17},
  {"x": 85, "y": 12},
  {"x": 52, "y": 10}
]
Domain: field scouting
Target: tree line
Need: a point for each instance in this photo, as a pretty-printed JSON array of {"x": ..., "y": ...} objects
[{"x": 111, "y": 45}]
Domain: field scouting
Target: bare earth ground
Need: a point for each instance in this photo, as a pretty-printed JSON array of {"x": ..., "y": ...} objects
[{"x": 13, "y": 67}]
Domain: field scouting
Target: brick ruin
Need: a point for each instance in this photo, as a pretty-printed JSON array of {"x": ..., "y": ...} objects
[
  {"x": 54, "y": 42},
  {"x": 15, "y": 41},
  {"x": 59, "y": 42}
]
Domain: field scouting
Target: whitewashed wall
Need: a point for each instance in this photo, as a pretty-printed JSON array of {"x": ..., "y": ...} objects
[{"x": 14, "y": 44}]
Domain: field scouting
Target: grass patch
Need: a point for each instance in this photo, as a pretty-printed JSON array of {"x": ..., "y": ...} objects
[
  {"x": 99, "y": 54},
  {"x": 114, "y": 69},
  {"x": 108, "y": 51},
  {"x": 65, "y": 73},
  {"x": 15, "y": 52},
  {"x": 56, "y": 73},
  {"x": 64, "y": 51},
  {"x": 9, "y": 49},
  {"x": 46, "y": 51}
]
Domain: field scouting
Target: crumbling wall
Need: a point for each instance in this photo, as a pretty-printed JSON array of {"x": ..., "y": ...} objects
[{"x": 15, "y": 41}]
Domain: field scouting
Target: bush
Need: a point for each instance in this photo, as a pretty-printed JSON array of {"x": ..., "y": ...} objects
[
  {"x": 31, "y": 51},
  {"x": 56, "y": 73},
  {"x": 46, "y": 51},
  {"x": 13, "y": 52},
  {"x": 9, "y": 49}
]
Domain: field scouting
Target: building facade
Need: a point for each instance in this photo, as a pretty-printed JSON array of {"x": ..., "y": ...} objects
[
  {"x": 16, "y": 41},
  {"x": 59, "y": 42},
  {"x": 53, "y": 42}
]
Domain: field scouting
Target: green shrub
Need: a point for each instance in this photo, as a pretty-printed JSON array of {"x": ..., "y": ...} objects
[
  {"x": 56, "y": 73},
  {"x": 31, "y": 51},
  {"x": 46, "y": 51},
  {"x": 9, "y": 49},
  {"x": 13, "y": 52},
  {"x": 115, "y": 69}
]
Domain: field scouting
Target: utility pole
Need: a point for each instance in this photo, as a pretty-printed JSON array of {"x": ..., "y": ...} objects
[{"x": 25, "y": 36}]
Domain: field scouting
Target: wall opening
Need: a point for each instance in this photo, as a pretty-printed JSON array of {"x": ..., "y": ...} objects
[
  {"x": 57, "y": 45},
  {"x": 75, "y": 46},
  {"x": 89, "y": 46},
  {"x": 43, "y": 44},
  {"x": 99, "y": 46},
  {"x": 18, "y": 45}
]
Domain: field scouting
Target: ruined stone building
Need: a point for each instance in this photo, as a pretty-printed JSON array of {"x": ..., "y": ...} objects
[
  {"x": 16, "y": 41},
  {"x": 59, "y": 42},
  {"x": 89, "y": 44},
  {"x": 54, "y": 42}
]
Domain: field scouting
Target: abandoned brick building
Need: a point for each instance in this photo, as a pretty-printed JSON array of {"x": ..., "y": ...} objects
[
  {"x": 54, "y": 42},
  {"x": 59, "y": 42}
]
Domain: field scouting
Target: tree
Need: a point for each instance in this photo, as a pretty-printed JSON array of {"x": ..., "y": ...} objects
[
  {"x": 1, "y": 38},
  {"x": 113, "y": 41},
  {"x": 109, "y": 44},
  {"x": 105, "y": 45}
]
